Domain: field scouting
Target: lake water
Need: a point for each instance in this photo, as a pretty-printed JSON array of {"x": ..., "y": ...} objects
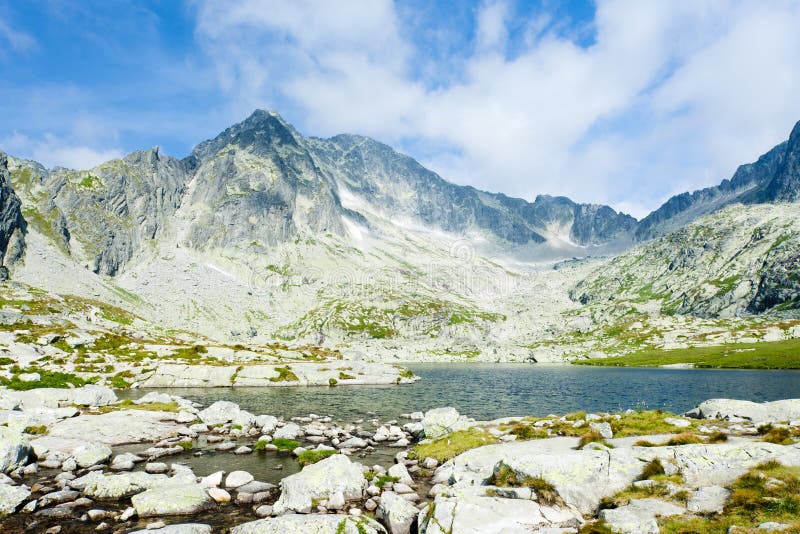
[{"x": 488, "y": 391}]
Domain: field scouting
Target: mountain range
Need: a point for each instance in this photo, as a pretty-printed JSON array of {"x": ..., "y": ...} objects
[{"x": 262, "y": 234}]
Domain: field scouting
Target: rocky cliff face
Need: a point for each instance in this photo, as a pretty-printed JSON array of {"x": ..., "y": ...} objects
[
  {"x": 103, "y": 216},
  {"x": 399, "y": 186},
  {"x": 12, "y": 225},
  {"x": 774, "y": 177},
  {"x": 740, "y": 260}
]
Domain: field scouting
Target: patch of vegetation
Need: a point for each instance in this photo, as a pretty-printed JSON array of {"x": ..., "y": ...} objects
[
  {"x": 505, "y": 477},
  {"x": 285, "y": 374},
  {"x": 119, "y": 380},
  {"x": 128, "y": 404},
  {"x": 778, "y": 435},
  {"x": 528, "y": 432},
  {"x": 261, "y": 445},
  {"x": 49, "y": 379},
  {"x": 718, "y": 437},
  {"x": 404, "y": 373},
  {"x": 382, "y": 480},
  {"x": 598, "y": 527},
  {"x": 642, "y": 423},
  {"x": 684, "y": 439},
  {"x": 284, "y": 444},
  {"x": 763, "y": 355},
  {"x": 651, "y": 469},
  {"x": 592, "y": 436},
  {"x": 345, "y": 376},
  {"x": 194, "y": 353},
  {"x": 314, "y": 456},
  {"x": 36, "y": 430},
  {"x": 90, "y": 182},
  {"x": 769, "y": 492},
  {"x": 454, "y": 444},
  {"x": 332, "y": 381}
]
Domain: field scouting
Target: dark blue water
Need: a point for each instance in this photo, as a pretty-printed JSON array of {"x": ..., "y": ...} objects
[{"x": 495, "y": 390}]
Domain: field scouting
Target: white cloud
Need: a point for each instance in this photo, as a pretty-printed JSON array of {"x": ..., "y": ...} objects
[
  {"x": 52, "y": 151},
  {"x": 17, "y": 40},
  {"x": 672, "y": 95}
]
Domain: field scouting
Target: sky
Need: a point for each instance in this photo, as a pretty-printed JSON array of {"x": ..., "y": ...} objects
[{"x": 619, "y": 102}]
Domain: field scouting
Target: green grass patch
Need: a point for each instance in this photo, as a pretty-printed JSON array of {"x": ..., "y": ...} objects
[
  {"x": 454, "y": 444},
  {"x": 382, "y": 480},
  {"x": 128, "y": 404},
  {"x": 505, "y": 477},
  {"x": 284, "y": 444},
  {"x": 764, "y": 355},
  {"x": 285, "y": 374},
  {"x": 49, "y": 379},
  {"x": 769, "y": 492},
  {"x": 313, "y": 456}
]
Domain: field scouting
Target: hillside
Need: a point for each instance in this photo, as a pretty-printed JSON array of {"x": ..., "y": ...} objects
[{"x": 262, "y": 236}]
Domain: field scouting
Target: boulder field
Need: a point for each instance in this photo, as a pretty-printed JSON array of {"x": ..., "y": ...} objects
[{"x": 81, "y": 459}]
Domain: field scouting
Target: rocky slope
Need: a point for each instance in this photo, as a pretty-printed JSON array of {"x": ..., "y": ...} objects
[
  {"x": 775, "y": 177},
  {"x": 734, "y": 262},
  {"x": 12, "y": 224},
  {"x": 262, "y": 235}
]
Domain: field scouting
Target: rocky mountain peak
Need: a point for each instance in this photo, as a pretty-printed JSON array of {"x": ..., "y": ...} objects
[{"x": 262, "y": 133}]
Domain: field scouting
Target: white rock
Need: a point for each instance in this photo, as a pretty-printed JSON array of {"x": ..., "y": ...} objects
[
  {"x": 603, "y": 428},
  {"x": 396, "y": 513},
  {"x": 238, "y": 478},
  {"x": 11, "y": 497},
  {"x": 639, "y": 516},
  {"x": 288, "y": 431},
  {"x": 730, "y": 409},
  {"x": 91, "y": 454},
  {"x": 680, "y": 423},
  {"x": 400, "y": 472},
  {"x": 315, "y": 523},
  {"x": 708, "y": 500},
  {"x": 213, "y": 480},
  {"x": 219, "y": 495},
  {"x": 320, "y": 481},
  {"x": 470, "y": 514},
  {"x": 14, "y": 450},
  {"x": 180, "y": 499},
  {"x": 219, "y": 413},
  {"x": 184, "y": 528},
  {"x": 441, "y": 421}
]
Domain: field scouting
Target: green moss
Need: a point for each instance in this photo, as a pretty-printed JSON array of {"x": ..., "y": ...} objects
[
  {"x": 285, "y": 374},
  {"x": 505, "y": 477},
  {"x": 332, "y": 381},
  {"x": 345, "y": 376},
  {"x": 49, "y": 379},
  {"x": 383, "y": 479},
  {"x": 284, "y": 444},
  {"x": 36, "y": 430},
  {"x": 313, "y": 456},
  {"x": 128, "y": 404},
  {"x": 90, "y": 182},
  {"x": 119, "y": 380},
  {"x": 454, "y": 444},
  {"x": 528, "y": 432}
]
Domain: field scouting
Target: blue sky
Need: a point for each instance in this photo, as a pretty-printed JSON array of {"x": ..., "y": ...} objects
[{"x": 617, "y": 101}]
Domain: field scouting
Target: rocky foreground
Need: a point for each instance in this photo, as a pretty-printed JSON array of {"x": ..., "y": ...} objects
[{"x": 80, "y": 460}]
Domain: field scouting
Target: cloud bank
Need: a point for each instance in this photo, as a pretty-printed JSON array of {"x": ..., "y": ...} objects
[{"x": 661, "y": 97}]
